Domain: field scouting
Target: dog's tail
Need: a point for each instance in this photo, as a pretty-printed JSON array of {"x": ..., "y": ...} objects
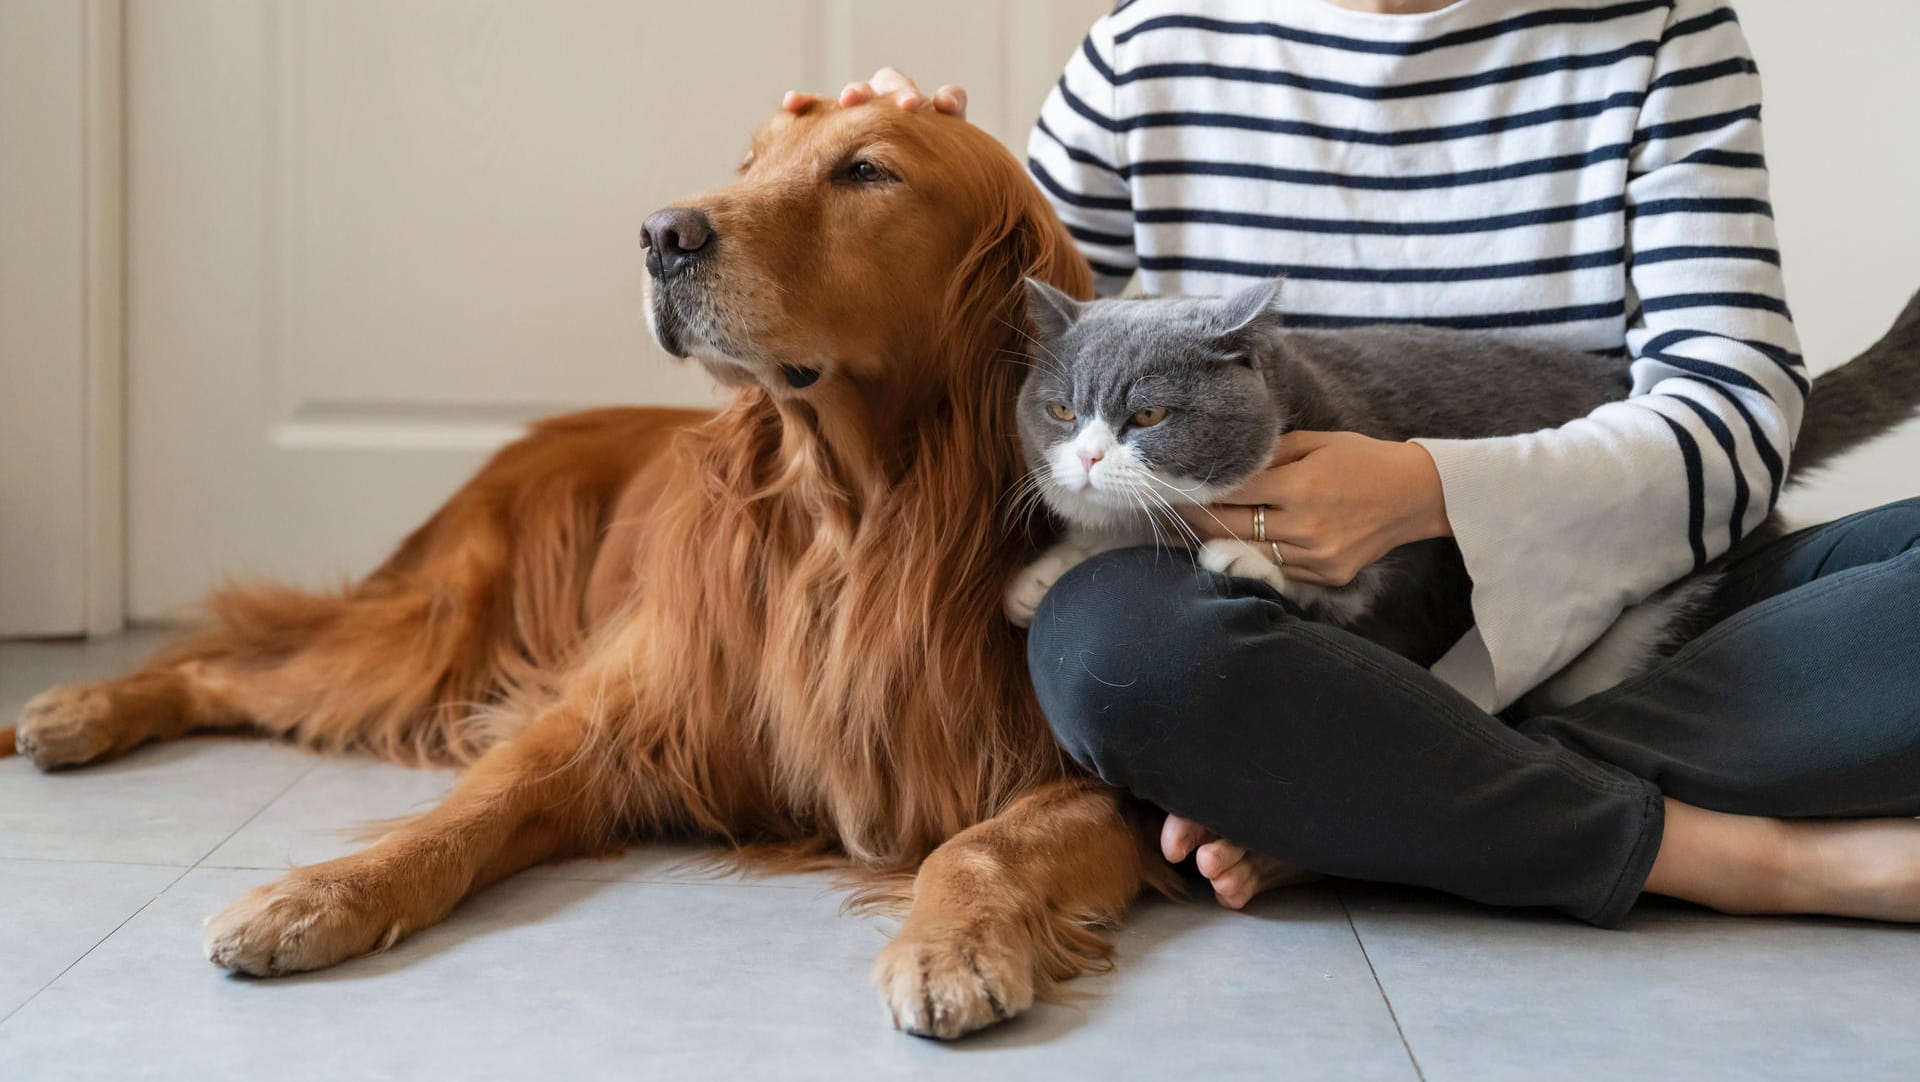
[{"x": 1863, "y": 398}]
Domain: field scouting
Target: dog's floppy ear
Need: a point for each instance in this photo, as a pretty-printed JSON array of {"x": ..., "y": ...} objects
[
  {"x": 1049, "y": 310},
  {"x": 1024, "y": 239}
]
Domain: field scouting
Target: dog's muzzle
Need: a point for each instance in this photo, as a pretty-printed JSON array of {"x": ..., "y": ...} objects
[{"x": 675, "y": 239}]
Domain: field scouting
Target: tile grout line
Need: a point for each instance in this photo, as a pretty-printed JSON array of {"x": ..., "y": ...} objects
[
  {"x": 1382, "y": 988},
  {"x": 257, "y": 813},
  {"x": 4, "y": 1019},
  {"x": 84, "y": 955},
  {"x": 86, "y": 860}
]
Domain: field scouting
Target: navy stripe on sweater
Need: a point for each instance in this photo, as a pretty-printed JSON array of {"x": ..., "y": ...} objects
[
  {"x": 1790, "y": 363},
  {"x": 1085, "y": 157},
  {"x": 1387, "y": 275},
  {"x": 1698, "y": 24},
  {"x": 1706, "y": 370},
  {"x": 1543, "y": 317},
  {"x": 1549, "y": 17},
  {"x": 1425, "y": 88},
  {"x": 1724, "y": 437},
  {"x": 1696, "y": 490},
  {"x": 1704, "y": 251},
  {"x": 1762, "y": 443},
  {"x": 1067, "y": 195},
  {"x": 1755, "y": 301},
  {"x": 1361, "y": 228},
  {"x": 1626, "y": 99},
  {"x": 1654, "y": 207},
  {"x": 1696, "y": 125},
  {"x": 1564, "y": 163}
]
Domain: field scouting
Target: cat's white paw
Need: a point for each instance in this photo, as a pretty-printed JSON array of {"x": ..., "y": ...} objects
[
  {"x": 1031, "y": 583},
  {"x": 1243, "y": 560}
]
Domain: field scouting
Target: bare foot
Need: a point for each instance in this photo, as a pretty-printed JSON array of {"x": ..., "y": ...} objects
[
  {"x": 1237, "y": 875},
  {"x": 1854, "y": 868},
  {"x": 1868, "y": 868}
]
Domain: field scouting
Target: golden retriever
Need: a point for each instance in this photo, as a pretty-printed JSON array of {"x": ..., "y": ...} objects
[{"x": 776, "y": 626}]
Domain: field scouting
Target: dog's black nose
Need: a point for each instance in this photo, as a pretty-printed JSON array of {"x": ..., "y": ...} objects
[{"x": 673, "y": 238}]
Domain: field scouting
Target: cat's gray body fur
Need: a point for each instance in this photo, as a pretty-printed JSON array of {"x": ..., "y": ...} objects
[{"x": 1233, "y": 378}]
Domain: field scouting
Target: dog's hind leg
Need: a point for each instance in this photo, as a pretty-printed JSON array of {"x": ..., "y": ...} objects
[
  {"x": 1010, "y": 907},
  {"x": 476, "y": 612},
  {"x": 368, "y": 669}
]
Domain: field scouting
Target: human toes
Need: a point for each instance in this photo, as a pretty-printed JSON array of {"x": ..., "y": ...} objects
[
  {"x": 1180, "y": 837},
  {"x": 1236, "y": 886},
  {"x": 1255, "y": 875},
  {"x": 1216, "y": 857}
]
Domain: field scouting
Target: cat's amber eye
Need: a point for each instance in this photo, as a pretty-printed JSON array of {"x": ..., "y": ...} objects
[
  {"x": 1150, "y": 416},
  {"x": 1059, "y": 411}
]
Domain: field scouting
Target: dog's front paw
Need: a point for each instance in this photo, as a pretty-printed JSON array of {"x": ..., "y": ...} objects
[
  {"x": 1031, "y": 584},
  {"x": 947, "y": 983},
  {"x": 66, "y": 726},
  {"x": 309, "y": 919},
  {"x": 1242, "y": 560}
]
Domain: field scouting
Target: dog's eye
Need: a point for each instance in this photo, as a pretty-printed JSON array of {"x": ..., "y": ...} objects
[
  {"x": 1150, "y": 416},
  {"x": 1059, "y": 412},
  {"x": 863, "y": 171}
]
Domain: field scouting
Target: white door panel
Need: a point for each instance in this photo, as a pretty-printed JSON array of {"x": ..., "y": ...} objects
[{"x": 368, "y": 240}]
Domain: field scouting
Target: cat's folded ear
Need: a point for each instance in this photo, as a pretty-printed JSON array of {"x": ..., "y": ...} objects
[
  {"x": 1050, "y": 310},
  {"x": 1254, "y": 308}
]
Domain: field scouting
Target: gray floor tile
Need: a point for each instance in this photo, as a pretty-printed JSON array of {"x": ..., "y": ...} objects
[
  {"x": 54, "y": 912},
  {"x": 1486, "y": 997},
  {"x": 1383, "y": 898},
  {"x": 567, "y": 978},
  {"x": 320, "y": 816},
  {"x": 166, "y": 804}
]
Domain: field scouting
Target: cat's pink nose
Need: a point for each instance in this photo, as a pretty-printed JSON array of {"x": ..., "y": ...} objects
[{"x": 1088, "y": 458}]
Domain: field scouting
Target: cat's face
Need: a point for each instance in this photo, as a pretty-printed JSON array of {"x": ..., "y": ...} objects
[{"x": 1132, "y": 405}]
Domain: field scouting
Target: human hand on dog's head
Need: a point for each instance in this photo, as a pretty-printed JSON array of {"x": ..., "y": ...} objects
[{"x": 888, "y": 82}]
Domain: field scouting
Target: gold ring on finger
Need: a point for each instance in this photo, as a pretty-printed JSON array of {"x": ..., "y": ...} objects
[{"x": 1260, "y": 522}]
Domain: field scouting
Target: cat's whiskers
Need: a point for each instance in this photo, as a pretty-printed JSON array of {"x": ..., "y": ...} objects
[
  {"x": 1192, "y": 538},
  {"x": 1205, "y": 508},
  {"x": 1027, "y": 495},
  {"x": 1136, "y": 495}
]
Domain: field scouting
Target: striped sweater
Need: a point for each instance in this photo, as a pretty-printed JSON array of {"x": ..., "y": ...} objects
[{"x": 1582, "y": 171}]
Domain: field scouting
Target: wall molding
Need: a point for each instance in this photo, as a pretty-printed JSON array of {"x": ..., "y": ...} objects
[{"x": 62, "y": 469}]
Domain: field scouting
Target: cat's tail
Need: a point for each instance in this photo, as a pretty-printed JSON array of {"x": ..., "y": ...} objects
[{"x": 1863, "y": 398}]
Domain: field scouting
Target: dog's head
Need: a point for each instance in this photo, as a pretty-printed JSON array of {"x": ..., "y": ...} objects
[{"x": 863, "y": 254}]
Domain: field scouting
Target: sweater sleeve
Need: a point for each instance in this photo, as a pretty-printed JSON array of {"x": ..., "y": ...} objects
[
  {"x": 1074, "y": 154},
  {"x": 1563, "y": 529}
]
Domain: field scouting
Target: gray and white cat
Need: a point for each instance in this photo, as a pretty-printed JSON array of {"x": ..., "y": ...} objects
[{"x": 1134, "y": 407}]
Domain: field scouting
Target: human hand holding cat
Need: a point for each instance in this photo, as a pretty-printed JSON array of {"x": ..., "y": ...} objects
[{"x": 1336, "y": 502}]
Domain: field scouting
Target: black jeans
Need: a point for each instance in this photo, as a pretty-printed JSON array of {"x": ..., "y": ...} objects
[{"x": 1214, "y": 699}]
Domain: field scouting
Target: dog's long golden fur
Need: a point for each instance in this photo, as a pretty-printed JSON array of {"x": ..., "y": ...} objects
[{"x": 775, "y": 626}]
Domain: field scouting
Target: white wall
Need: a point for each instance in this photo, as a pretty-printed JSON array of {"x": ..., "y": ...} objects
[{"x": 1843, "y": 138}]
